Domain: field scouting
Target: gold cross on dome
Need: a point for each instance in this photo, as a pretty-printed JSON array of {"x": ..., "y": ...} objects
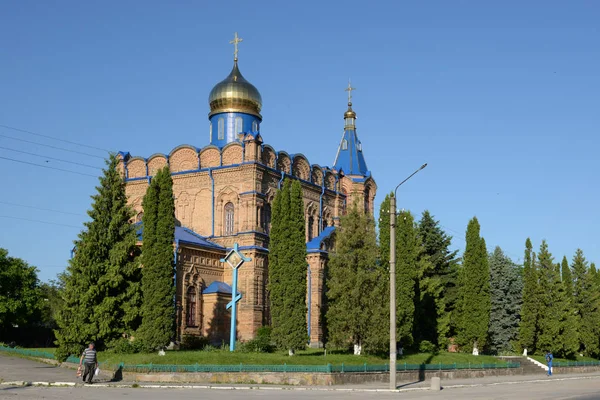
[
  {"x": 236, "y": 40},
  {"x": 349, "y": 90}
]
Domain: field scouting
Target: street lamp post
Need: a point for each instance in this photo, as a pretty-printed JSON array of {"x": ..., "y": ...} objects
[{"x": 393, "y": 350}]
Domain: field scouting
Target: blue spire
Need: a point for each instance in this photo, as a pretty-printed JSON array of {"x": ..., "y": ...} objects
[{"x": 350, "y": 158}]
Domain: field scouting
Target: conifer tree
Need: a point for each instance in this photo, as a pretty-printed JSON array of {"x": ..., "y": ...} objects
[
  {"x": 287, "y": 269},
  {"x": 506, "y": 291},
  {"x": 101, "y": 294},
  {"x": 408, "y": 263},
  {"x": 384, "y": 232},
  {"x": 474, "y": 291},
  {"x": 529, "y": 325},
  {"x": 438, "y": 300},
  {"x": 355, "y": 284},
  {"x": 586, "y": 304},
  {"x": 158, "y": 284},
  {"x": 567, "y": 277},
  {"x": 557, "y": 330}
]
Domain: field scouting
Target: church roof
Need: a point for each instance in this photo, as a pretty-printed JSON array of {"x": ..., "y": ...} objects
[
  {"x": 315, "y": 244},
  {"x": 350, "y": 158},
  {"x": 185, "y": 235},
  {"x": 218, "y": 287}
]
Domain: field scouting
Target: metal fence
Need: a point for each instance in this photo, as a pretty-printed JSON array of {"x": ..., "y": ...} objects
[
  {"x": 576, "y": 364},
  {"x": 328, "y": 368}
]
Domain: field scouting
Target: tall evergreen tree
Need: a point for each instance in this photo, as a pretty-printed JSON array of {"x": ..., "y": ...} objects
[
  {"x": 287, "y": 269},
  {"x": 438, "y": 300},
  {"x": 506, "y": 291},
  {"x": 158, "y": 284},
  {"x": 567, "y": 277},
  {"x": 586, "y": 304},
  {"x": 354, "y": 286},
  {"x": 474, "y": 291},
  {"x": 557, "y": 330},
  {"x": 409, "y": 262},
  {"x": 101, "y": 294},
  {"x": 530, "y": 311},
  {"x": 384, "y": 232}
]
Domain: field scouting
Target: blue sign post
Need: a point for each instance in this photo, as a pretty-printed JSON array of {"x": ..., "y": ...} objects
[{"x": 235, "y": 259}]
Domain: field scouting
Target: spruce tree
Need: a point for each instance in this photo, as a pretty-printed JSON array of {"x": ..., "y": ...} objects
[
  {"x": 506, "y": 291},
  {"x": 158, "y": 284},
  {"x": 355, "y": 284},
  {"x": 529, "y": 325},
  {"x": 586, "y": 304},
  {"x": 474, "y": 291},
  {"x": 567, "y": 277},
  {"x": 101, "y": 293},
  {"x": 438, "y": 300}
]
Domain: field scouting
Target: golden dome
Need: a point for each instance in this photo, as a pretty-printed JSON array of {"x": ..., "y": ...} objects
[
  {"x": 235, "y": 94},
  {"x": 349, "y": 113}
]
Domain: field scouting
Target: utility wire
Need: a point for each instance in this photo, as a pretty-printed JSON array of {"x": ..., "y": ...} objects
[
  {"x": 41, "y": 222},
  {"x": 42, "y": 209},
  {"x": 50, "y": 158},
  {"x": 52, "y": 147},
  {"x": 54, "y": 138},
  {"x": 47, "y": 166}
]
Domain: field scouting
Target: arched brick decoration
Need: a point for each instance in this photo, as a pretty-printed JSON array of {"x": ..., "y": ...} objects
[
  {"x": 136, "y": 168},
  {"x": 155, "y": 163},
  {"x": 269, "y": 156},
  {"x": 301, "y": 168},
  {"x": 283, "y": 162},
  {"x": 330, "y": 181},
  {"x": 183, "y": 158},
  {"x": 317, "y": 175},
  {"x": 232, "y": 154},
  {"x": 210, "y": 157}
]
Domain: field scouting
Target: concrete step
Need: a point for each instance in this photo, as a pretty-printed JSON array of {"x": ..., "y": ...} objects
[{"x": 529, "y": 368}]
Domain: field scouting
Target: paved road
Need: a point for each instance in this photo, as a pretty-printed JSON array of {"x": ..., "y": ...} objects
[{"x": 582, "y": 387}]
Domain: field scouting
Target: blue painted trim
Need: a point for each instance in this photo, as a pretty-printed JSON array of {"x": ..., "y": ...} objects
[
  {"x": 317, "y": 251},
  {"x": 281, "y": 180},
  {"x": 239, "y": 233},
  {"x": 254, "y": 248},
  {"x": 212, "y": 179},
  {"x": 253, "y": 192}
]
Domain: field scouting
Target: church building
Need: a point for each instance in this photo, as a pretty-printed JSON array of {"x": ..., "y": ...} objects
[{"x": 223, "y": 195}]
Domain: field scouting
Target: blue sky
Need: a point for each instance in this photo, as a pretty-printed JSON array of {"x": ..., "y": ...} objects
[{"x": 500, "y": 98}]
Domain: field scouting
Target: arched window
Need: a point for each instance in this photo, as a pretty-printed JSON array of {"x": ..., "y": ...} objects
[
  {"x": 344, "y": 144},
  {"x": 254, "y": 126},
  {"x": 367, "y": 201},
  {"x": 210, "y": 132},
  {"x": 266, "y": 218},
  {"x": 229, "y": 220},
  {"x": 239, "y": 125},
  {"x": 221, "y": 128},
  {"x": 310, "y": 228},
  {"x": 138, "y": 218},
  {"x": 191, "y": 306}
]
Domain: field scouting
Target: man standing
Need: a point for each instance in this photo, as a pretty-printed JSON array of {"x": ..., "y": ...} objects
[
  {"x": 549, "y": 362},
  {"x": 91, "y": 362}
]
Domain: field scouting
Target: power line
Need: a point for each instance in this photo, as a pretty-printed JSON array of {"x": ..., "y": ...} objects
[
  {"x": 39, "y": 221},
  {"x": 50, "y": 158},
  {"x": 42, "y": 209},
  {"x": 52, "y": 147},
  {"x": 49, "y": 167},
  {"x": 54, "y": 138}
]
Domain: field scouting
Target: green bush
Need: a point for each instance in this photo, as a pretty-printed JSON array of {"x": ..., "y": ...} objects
[
  {"x": 260, "y": 344},
  {"x": 193, "y": 342},
  {"x": 427, "y": 347},
  {"x": 126, "y": 346}
]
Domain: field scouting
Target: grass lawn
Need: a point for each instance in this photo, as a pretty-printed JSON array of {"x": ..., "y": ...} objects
[
  {"x": 542, "y": 359},
  {"x": 307, "y": 357}
]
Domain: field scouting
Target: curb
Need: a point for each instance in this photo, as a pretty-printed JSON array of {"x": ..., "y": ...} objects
[{"x": 291, "y": 388}]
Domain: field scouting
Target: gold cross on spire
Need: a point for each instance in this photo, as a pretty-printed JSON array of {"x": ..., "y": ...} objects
[
  {"x": 236, "y": 40},
  {"x": 349, "y": 90}
]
